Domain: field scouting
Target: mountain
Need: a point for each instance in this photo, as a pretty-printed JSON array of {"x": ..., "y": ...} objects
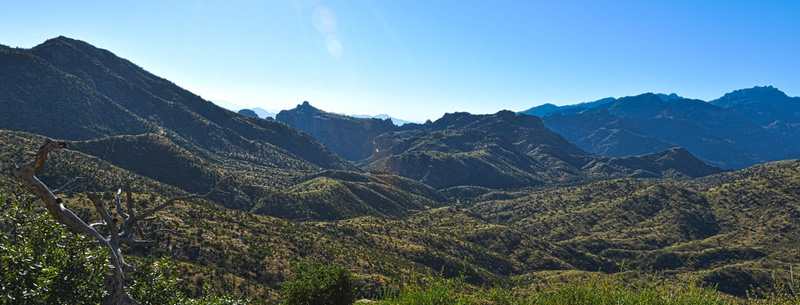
[
  {"x": 263, "y": 113},
  {"x": 648, "y": 123},
  {"x": 455, "y": 157},
  {"x": 349, "y": 137},
  {"x": 383, "y": 116},
  {"x": 605, "y": 134},
  {"x": 768, "y": 107},
  {"x": 546, "y": 109},
  {"x": 666, "y": 97},
  {"x": 109, "y": 108},
  {"x": 762, "y": 105},
  {"x": 506, "y": 150},
  {"x": 248, "y": 112},
  {"x": 502, "y": 150},
  {"x": 534, "y": 155},
  {"x": 115, "y": 97}
]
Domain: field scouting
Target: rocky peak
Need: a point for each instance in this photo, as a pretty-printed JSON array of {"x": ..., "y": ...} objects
[{"x": 765, "y": 92}]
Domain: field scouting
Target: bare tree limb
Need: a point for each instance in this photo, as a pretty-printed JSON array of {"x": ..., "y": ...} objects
[
  {"x": 97, "y": 224},
  {"x": 151, "y": 211},
  {"x": 26, "y": 174},
  {"x": 97, "y": 200},
  {"x": 118, "y": 200},
  {"x": 60, "y": 189},
  {"x": 124, "y": 234}
]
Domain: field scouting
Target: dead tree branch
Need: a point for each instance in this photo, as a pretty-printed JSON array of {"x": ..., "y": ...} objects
[{"x": 125, "y": 234}]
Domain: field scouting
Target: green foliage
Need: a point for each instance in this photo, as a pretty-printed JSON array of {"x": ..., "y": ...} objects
[
  {"x": 41, "y": 262},
  {"x": 153, "y": 286},
  {"x": 440, "y": 291},
  {"x": 593, "y": 291},
  {"x": 598, "y": 291},
  {"x": 315, "y": 283}
]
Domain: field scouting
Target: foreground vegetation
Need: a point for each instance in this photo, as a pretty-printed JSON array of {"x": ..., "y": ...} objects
[
  {"x": 42, "y": 263},
  {"x": 593, "y": 291}
]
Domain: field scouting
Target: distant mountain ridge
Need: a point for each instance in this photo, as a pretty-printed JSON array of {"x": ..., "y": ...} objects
[
  {"x": 501, "y": 150},
  {"x": 754, "y": 126},
  {"x": 383, "y": 116}
]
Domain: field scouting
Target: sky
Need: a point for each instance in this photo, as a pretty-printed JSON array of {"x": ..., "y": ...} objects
[{"x": 417, "y": 60}]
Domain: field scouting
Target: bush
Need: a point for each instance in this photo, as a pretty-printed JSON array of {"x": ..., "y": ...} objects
[
  {"x": 42, "y": 263},
  {"x": 152, "y": 286},
  {"x": 440, "y": 291},
  {"x": 315, "y": 283}
]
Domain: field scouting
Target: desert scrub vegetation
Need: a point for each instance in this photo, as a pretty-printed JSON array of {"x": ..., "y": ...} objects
[
  {"x": 594, "y": 290},
  {"x": 317, "y": 283}
]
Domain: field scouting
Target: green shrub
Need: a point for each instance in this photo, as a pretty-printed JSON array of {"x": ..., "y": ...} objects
[
  {"x": 440, "y": 291},
  {"x": 315, "y": 283},
  {"x": 43, "y": 263},
  {"x": 591, "y": 291},
  {"x": 152, "y": 286}
]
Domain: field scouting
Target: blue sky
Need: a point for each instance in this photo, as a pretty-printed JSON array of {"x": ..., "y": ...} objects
[{"x": 417, "y": 60}]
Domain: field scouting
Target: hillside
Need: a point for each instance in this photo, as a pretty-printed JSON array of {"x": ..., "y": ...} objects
[
  {"x": 505, "y": 150},
  {"x": 726, "y": 137},
  {"x": 729, "y": 229},
  {"x": 82, "y": 92},
  {"x": 116, "y": 111},
  {"x": 501, "y": 150},
  {"x": 733, "y": 229},
  {"x": 334, "y": 195}
]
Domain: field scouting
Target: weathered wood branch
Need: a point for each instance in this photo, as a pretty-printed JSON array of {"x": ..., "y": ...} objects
[
  {"x": 118, "y": 200},
  {"x": 149, "y": 212},
  {"x": 124, "y": 234},
  {"x": 26, "y": 174},
  {"x": 60, "y": 189}
]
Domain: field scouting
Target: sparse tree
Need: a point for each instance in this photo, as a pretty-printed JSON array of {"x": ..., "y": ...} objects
[{"x": 128, "y": 232}]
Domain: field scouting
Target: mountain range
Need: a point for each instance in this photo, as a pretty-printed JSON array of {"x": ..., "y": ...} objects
[
  {"x": 502, "y": 150},
  {"x": 740, "y": 129},
  {"x": 110, "y": 108},
  {"x": 504, "y": 199}
]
